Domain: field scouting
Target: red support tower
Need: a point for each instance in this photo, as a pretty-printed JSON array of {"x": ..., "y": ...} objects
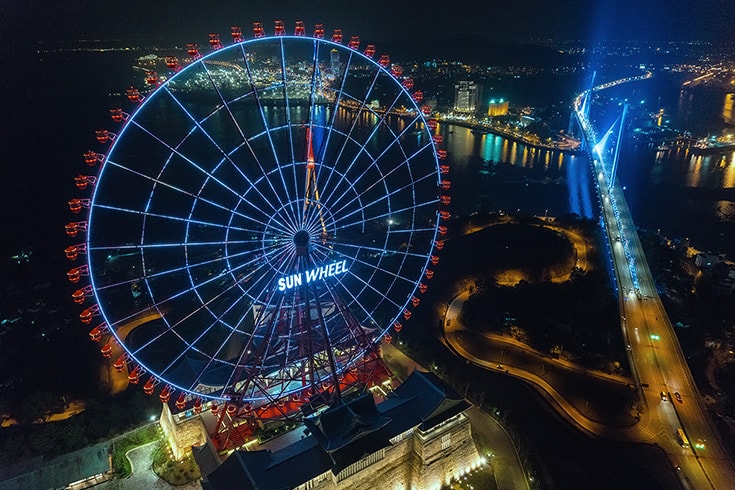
[
  {"x": 258, "y": 30},
  {"x": 236, "y": 33},
  {"x": 319, "y": 31},
  {"x": 300, "y": 30}
]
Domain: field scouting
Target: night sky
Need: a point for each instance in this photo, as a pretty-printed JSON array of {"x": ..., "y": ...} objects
[{"x": 386, "y": 20}]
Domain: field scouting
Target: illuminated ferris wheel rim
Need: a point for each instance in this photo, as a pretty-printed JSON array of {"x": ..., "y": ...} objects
[{"x": 336, "y": 269}]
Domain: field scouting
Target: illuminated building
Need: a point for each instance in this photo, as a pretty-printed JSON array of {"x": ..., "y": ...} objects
[
  {"x": 728, "y": 109},
  {"x": 465, "y": 96},
  {"x": 497, "y": 108},
  {"x": 417, "y": 438}
]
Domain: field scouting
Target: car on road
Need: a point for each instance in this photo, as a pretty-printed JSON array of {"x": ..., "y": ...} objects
[{"x": 677, "y": 395}]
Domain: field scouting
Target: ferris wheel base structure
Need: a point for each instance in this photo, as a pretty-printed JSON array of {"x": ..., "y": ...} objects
[{"x": 275, "y": 208}]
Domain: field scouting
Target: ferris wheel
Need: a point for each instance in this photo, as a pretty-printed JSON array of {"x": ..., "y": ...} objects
[{"x": 264, "y": 217}]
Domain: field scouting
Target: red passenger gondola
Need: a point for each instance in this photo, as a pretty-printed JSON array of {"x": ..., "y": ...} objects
[
  {"x": 192, "y": 49},
  {"x": 438, "y": 244},
  {"x": 388, "y": 338},
  {"x": 214, "y": 41},
  {"x": 82, "y": 181},
  {"x": 429, "y": 273},
  {"x": 446, "y": 184},
  {"x": 442, "y": 154},
  {"x": 370, "y": 50},
  {"x": 384, "y": 60},
  {"x": 81, "y": 294},
  {"x": 165, "y": 395},
  {"x": 150, "y": 385},
  {"x": 117, "y": 115},
  {"x": 133, "y": 94},
  {"x": 181, "y": 401},
  {"x": 417, "y": 96},
  {"x": 135, "y": 375},
  {"x": 258, "y": 30},
  {"x": 73, "y": 228},
  {"x": 236, "y": 33},
  {"x": 408, "y": 83},
  {"x": 102, "y": 135},
  {"x": 87, "y": 315},
  {"x": 106, "y": 350},
  {"x": 444, "y": 215},
  {"x": 121, "y": 362},
  {"x": 198, "y": 405},
  {"x": 406, "y": 314},
  {"x": 396, "y": 71},
  {"x": 76, "y": 205},
  {"x": 151, "y": 78},
  {"x": 319, "y": 31},
  {"x": 444, "y": 199},
  {"x": 397, "y": 327},
  {"x": 434, "y": 259},
  {"x": 73, "y": 251},
  {"x": 337, "y": 36},
  {"x": 91, "y": 158},
  {"x": 300, "y": 30},
  {"x": 172, "y": 63},
  {"x": 77, "y": 272},
  {"x": 96, "y": 333},
  {"x": 415, "y": 301},
  {"x": 280, "y": 29},
  {"x": 423, "y": 287},
  {"x": 354, "y": 43}
]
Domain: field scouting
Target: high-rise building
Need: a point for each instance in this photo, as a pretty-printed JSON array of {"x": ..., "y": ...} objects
[
  {"x": 465, "y": 96},
  {"x": 497, "y": 107}
]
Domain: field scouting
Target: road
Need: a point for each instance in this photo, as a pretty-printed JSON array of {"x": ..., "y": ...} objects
[{"x": 654, "y": 353}]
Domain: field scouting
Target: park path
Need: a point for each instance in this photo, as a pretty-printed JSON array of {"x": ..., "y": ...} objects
[{"x": 143, "y": 476}]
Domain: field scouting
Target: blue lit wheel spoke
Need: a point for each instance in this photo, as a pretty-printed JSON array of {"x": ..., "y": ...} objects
[{"x": 262, "y": 219}]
